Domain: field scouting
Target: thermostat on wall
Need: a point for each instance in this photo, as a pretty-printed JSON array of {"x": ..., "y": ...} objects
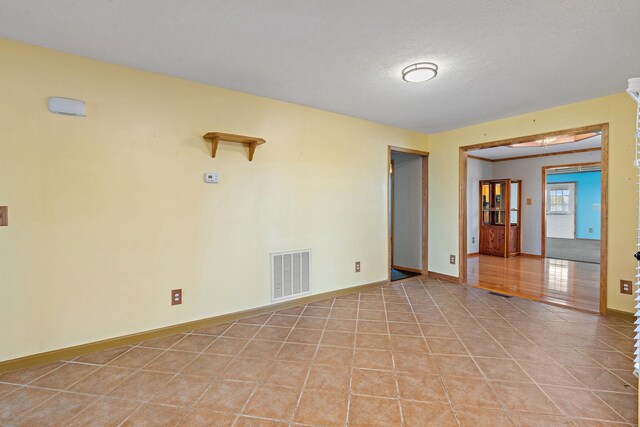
[{"x": 211, "y": 178}]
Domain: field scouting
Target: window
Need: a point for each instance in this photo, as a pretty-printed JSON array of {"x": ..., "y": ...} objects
[{"x": 559, "y": 201}]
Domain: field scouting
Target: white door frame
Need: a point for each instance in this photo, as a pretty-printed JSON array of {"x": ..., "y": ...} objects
[{"x": 564, "y": 223}]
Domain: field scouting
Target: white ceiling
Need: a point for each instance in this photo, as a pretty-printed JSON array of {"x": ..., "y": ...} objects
[
  {"x": 497, "y": 58},
  {"x": 507, "y": 152}
]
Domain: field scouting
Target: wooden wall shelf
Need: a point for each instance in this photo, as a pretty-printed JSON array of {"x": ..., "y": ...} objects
[{"x": 216, "y": 137}]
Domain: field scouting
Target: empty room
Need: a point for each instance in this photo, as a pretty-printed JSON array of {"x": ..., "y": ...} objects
[{"x": 279, "y": 213}]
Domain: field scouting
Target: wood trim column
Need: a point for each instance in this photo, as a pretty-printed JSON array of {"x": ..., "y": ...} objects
[{"x": 462, "y": 216}]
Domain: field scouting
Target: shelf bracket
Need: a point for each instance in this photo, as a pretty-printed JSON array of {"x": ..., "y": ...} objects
[
  {"x": 252, "y": 149},
  {"x": 214, "y": 146}
]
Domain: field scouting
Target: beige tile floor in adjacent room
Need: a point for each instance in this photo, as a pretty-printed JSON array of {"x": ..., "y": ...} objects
[{"x": 421, "y": 353}]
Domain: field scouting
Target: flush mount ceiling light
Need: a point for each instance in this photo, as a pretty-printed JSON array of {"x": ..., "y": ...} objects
[{"x": 419, "y": 72}]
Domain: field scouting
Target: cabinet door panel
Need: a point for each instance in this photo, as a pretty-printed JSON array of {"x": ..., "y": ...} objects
[{"x": 495, "y": 240}]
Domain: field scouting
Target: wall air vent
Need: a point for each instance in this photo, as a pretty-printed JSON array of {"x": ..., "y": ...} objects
[{"x": 290, "y": 274}]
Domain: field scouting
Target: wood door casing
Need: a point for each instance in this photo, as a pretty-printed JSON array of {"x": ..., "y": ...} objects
[{"x": 604, "y": 220}]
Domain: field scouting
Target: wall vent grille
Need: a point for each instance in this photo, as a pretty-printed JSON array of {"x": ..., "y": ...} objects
[{"x": 290, "y": 274}]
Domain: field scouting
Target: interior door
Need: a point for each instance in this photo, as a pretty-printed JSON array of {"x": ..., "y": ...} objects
[{"x": 561, "y": 210}]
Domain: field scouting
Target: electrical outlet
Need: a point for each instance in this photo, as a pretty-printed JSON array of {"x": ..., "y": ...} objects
[
  {"x": 176, "y": 296},
  {"x": 626, "y": 287},
  {"x": 452, "y": 259},
  {"x": 473, "y": 239},
  {"x": 590, "y": 229},
  {"x": 357, "y": 266}
]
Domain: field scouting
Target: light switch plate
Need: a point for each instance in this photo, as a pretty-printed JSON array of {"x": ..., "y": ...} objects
[{"x": 211, "y": 178}]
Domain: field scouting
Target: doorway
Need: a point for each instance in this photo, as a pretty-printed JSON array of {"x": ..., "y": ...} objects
[
  {"x": 560, "y": 214},
  {"x": 407, "y": 209},
  {"x": 532, "y": 274},
  {"x": 572, "y": 212}
]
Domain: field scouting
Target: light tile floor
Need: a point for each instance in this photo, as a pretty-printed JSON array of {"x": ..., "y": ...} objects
[{"x": 420, "y": 353}]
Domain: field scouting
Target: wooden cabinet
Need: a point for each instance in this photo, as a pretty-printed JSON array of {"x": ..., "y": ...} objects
[
  {"x": 500, "y": 204},
  {"x": 492, "y": 240}
]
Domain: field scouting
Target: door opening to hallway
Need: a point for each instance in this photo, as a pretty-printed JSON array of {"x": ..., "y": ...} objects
[{"x": 407, "y": 208}]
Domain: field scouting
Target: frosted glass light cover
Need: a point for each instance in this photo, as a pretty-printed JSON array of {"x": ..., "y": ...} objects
[{"x": 420, "y": 72}]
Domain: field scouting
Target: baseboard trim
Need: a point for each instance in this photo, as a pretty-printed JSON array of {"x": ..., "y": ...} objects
[
  {"x": 526, "y": 255},
  {"x": 624, "y": 315},
  {"x": 410, "y": 269},
  {"x": 82, "y": 349},
  {"x": 444, "y": 277},
  {"x": 473, "y": 254}
]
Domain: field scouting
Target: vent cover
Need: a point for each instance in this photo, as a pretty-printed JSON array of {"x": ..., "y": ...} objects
[{"x": 290, "y": 274}]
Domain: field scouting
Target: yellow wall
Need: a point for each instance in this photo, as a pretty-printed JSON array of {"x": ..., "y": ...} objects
[
  {"x": 617, "y": 110},
  {"x": 108, "y": 213}
]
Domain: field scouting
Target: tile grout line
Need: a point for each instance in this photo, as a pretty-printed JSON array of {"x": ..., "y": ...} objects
[
  {"x": 587, "y": 388},
  {"x": 513, "y": 358},
  {"x": 171, "y": 348},
  {"x": 258, "y": 383},
  {"x": 542, "y": 326},
  {"x": 100, "y": 397},
  {"x": 440, "y": 376},
  {"x": 58, "y": 391},
  {"x": 474, "y": 361},
  {"x": 353, "y": 359},
  {"x": 520, "y": 366},
  {"x": 304, "y": 384},
  {"x": 148, "y": 400},
  {"x": 98, "y": 366},
  {"x": 258, "y": 380},
  {"x": 393, "y": 359},
  {"x": 440, "y": 380},
  {"x": 204, "y": 351},
  {"x": 27, "y": 385}
]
